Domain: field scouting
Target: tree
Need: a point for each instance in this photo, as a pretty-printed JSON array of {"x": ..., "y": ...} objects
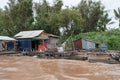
[
  {"x": 71, "y": 21},
  {"x": 18, "y": 16},
  {"x": 47, "y": 16},
  {"x": 57, "y": 6},
  {"x": 87, "y": 16},
  {"x": 91, "y": 12},
  {"x": 43, "y": 11},
  {"x": 117, "y": 15},
  {"x": 53, "y": 18},
  {"x": 103, "y": 21},
  {"x": 8, "y": 23},
  {"x": 24, "y": 14},
  {"x": 3, "y": 31}
]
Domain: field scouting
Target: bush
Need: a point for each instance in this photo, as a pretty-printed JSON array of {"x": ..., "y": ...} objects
[{"x": 111, "y": 38}]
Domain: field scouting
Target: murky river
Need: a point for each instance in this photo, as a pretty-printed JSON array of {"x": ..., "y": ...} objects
[{"x": 28, "y": 68}]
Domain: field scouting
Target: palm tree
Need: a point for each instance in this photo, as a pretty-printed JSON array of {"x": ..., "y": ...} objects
[
  {"x": 117, "y": 15},
  {"x": 103, "y": 21}
]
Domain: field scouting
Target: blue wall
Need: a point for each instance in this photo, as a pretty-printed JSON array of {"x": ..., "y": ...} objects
[
  {"x": 24, "y": 44},
  {"x": 10, "y": 46}
]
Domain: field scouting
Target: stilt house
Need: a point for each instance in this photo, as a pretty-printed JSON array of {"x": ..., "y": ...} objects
[{"x": 36, "y": 40}]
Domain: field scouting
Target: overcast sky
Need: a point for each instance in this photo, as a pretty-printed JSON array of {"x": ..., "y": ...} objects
[{"x": 109, "y": 5}]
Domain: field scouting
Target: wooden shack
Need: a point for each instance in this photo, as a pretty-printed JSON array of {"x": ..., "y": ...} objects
[
  {"x": 36, "y": 40},
  {"x": 7, "y": 43},
  {"x": 84, "y": 44}
]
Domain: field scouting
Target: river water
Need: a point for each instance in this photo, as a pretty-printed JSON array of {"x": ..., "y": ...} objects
[{"x": 29, "y": 68}]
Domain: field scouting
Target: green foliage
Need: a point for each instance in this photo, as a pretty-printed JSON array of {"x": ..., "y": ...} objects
[
  {"x": 52, "y": 18},
  {"x": 103, "y": 21},
  {"x": 111, "y": 38},
  {"x": 70, "y": 21},
  {"x": 117, "y": 15},
  {"x": 88, "y": 16},
  {"x": 114, "y": 42},
  {"x": 47, "y": 16},
  {"x": 93, "y": 14},
  {"x": 16, "y": 17}
]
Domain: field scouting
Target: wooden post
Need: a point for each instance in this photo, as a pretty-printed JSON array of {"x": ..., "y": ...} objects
[{"x": 43, "y": 42}]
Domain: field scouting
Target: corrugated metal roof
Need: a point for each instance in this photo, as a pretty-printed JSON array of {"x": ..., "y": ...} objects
[
  {"x": 86, "y": 40},
  {"x": 28, "y": 34},
  {"x": 53, "y": 35},
  {"x": 6, "y": 38}
]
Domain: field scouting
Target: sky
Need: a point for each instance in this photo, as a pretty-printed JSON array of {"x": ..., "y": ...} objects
[{"x": 110, "y": 5}]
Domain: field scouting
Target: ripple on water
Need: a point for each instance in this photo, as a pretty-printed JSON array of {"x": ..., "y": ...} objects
[{"x": 10, "y": 69}]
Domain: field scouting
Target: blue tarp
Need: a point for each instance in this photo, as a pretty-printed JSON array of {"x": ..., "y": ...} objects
[
  {"x": 24, "y": 44},
  {"x": 103, "y": 47}
]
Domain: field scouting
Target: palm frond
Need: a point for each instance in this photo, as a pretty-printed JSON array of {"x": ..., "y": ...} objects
[{"x": 116, "y": 13}]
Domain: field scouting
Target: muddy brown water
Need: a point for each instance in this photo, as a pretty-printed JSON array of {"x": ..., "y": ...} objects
[{"x": 28, "y": 68}]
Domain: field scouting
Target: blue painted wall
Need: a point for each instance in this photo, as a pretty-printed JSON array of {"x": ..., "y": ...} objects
[
  {"x": 24, "y": 44},
  {"x": 10, "y": 46}
]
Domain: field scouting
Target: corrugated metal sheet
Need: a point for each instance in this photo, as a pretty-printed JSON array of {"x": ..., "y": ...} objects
[
  {"x": 88, "y": 44},
  {"x": 6, "y": 38},
  {"x": 28, "y": 34},
  {"x": 77, "y": 45},
  {"x": 83, "y": 44},
  {"x": 24, "y": 44},
  {"x": 52, "y": 42}
]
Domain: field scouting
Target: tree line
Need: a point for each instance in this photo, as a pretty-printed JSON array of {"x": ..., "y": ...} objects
[{"x": 87, "y": 16}]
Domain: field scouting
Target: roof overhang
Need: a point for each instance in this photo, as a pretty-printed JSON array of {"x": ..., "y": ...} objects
[
  {"x": 40, "y": 38},
  {"x": 6, "y": 38}
]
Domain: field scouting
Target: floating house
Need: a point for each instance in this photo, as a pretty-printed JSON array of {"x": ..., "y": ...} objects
[
  {"x": 7, "y": 43},
  {"x": 36, "y": 40},
  {"x": 84, "y": 44}
]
